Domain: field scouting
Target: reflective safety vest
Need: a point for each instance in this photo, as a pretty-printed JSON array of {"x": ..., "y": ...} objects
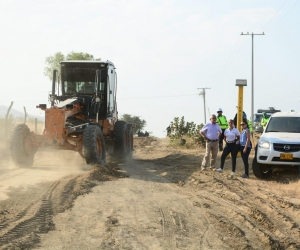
[
  {"x": 250, "y": 125},
  {"x": 264, "y": 122},
  {"x": 222, "y": 121}
]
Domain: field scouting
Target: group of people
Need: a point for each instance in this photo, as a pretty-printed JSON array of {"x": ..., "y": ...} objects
[{"x": 218, "y": 131}]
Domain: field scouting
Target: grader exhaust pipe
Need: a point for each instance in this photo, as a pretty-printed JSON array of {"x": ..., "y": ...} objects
[{"x": 53, "y": 87}]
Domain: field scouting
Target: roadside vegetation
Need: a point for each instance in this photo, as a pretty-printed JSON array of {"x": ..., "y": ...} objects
[{"x": 186, "y": 134}]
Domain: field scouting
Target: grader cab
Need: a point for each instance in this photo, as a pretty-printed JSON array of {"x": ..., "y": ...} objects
[{"x": 82, "y": 117}]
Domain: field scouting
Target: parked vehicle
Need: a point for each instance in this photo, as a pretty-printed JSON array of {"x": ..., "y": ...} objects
[
  {"x": 258, "y": 116},
  {"x": 279, "y": 145}
]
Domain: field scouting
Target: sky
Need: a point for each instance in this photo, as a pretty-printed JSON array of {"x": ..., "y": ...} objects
[{"x": 164, "y": 52}]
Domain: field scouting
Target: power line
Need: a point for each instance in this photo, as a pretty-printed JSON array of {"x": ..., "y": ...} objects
[
  {"x": 274, "y": 14},
  {"x": 284, "y": 14},
  {"x": 154, "y": 97}
]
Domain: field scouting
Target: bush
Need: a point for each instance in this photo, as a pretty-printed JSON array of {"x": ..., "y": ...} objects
[{"x": 180, "y": 129}]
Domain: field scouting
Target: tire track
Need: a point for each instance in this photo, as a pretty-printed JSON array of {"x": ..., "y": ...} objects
[
  {"x": 21, "y": 224},
  {"x": 258, "y": 213}
]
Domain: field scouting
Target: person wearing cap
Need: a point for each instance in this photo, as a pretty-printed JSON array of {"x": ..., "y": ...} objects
[
  {"x": 231, "y": 138},
  {"x": 211, "y": 132},
  {"x": 222, "y": 121}
]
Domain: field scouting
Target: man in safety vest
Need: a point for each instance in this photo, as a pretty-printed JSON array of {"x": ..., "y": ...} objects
[
  {"x": 264, "y": 120},
  {"x": 222, "y": 121}
]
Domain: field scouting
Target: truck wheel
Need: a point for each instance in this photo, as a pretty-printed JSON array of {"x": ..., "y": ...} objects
[
  {"x": 121, "y": 138},
  {"x": 129, "y": 141},
  {"x": 21, "y": 148},
  {"x": 260, "y": 171},
  {"x": 93, "y": 145}
]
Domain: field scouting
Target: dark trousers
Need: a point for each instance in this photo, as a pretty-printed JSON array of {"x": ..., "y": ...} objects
[
  {"x": 232, "y": 149},
  {"x": 245, "y": 157},
  {"x": 221, "y": 138}
]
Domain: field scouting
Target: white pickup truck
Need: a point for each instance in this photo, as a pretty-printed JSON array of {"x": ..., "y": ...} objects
[{"x": 279, "y": 145}]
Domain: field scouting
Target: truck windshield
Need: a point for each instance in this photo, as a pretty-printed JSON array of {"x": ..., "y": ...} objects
[
  {"x": 284, "y": 124},
  {"x": 79, "y": 80},
  {"x": 257, "y": 118},
  {"x": 79, "y": 87}
]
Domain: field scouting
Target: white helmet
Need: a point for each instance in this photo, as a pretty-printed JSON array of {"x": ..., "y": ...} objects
[{"x": 219, "y": 110}]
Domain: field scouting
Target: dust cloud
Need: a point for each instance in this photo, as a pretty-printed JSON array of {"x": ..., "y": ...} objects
[{"x": 49, "y": 165}]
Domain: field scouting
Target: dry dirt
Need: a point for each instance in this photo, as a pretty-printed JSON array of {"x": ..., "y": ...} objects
[{"x": 158, "y": 200}]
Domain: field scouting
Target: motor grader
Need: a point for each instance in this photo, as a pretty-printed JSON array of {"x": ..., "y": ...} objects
[{"x": 82, "y": 117}]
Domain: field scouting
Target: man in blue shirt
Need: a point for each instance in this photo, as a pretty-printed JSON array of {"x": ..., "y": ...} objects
[{"x": 211, "y": 133}]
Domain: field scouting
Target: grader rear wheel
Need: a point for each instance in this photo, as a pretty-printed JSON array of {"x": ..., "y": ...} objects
[
  {"x": 121, "y": 140},
  {"x": 129, "y": 141},
  {"x": 93, "y": 144},
  {"x": 21, "y": 148}
]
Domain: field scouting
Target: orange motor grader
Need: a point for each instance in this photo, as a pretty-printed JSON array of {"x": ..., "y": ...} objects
[{"x": 82, "y": 118}]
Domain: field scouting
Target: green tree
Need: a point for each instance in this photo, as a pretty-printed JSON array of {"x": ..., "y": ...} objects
[
  {"x": 179, "y": 128},
  {"x": 139, "y": 123},
  {"x": 53, "y": 62},
  {"x": 81, "y": 56}
]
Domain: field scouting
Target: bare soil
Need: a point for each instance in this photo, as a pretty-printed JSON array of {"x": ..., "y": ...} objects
[{"x": 160, "y": 199}]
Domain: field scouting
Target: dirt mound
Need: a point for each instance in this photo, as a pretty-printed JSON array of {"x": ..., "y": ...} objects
[
  {"x": 27, "y": 213},
  {"x": 140, "y": 142}
]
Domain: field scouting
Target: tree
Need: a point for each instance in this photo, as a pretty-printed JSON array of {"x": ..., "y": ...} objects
[
  {"x": 179, "y": 128},
  {"x": 52, "y": 62},
  {"x": 81, "y": 56},
  {"x": 139, "y": 123}
]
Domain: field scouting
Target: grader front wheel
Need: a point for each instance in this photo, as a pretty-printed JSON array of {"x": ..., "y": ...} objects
[
  {"x": 21, "y": 148},
  {"x": 93, "y": 144}
]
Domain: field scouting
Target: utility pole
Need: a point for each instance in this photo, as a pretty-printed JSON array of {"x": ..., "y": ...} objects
[
  {"x": 252, "y": 78},
  {"x": 203, "y": 93}
]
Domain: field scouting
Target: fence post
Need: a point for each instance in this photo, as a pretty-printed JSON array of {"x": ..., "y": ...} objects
[
  {"x": 6, "y": 120},
  {"x": 35, "y": 125},
  {"x": 25, "y": 115}
]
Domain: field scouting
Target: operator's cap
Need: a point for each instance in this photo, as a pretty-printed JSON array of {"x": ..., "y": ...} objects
[{"x": 219, "y": 110}]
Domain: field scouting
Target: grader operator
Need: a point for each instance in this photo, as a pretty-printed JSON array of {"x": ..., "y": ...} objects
[{"x": 83, "y": 118}]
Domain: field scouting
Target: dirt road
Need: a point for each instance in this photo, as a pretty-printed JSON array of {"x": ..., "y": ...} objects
[{"x": 158, "y": 200}]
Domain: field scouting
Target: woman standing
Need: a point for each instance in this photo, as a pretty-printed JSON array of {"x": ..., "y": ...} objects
[
  {"x": 231, "y": 135},
  {"x": 245, "y": 147}
]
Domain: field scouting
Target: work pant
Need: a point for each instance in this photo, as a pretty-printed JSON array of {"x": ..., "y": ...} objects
[
  {"x": 221, "y": 138},
  {"x": 232, "y": 149},
  {"x": 211, "y": 148},
  {"x": 245, "y": 157}
]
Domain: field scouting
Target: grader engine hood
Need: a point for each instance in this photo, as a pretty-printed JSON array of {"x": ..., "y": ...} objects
[
  {"x": 55, "y": 120},
  {"x": 69, "y": 103}
]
